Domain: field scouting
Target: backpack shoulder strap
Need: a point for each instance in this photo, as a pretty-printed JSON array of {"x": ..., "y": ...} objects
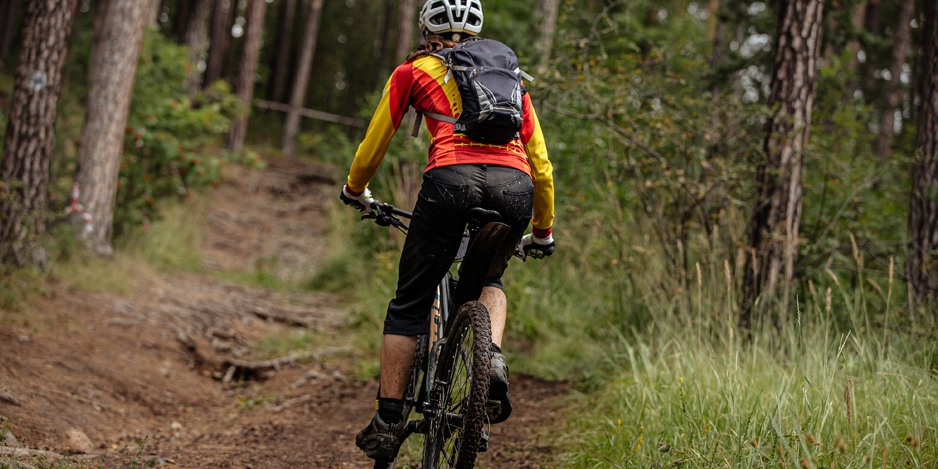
[{"x": 432, "y": 115}]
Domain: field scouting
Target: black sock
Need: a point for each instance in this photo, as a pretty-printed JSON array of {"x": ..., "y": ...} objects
[
  {"x": 390, "y": 410},
  {"x": 495, "y": 348}
]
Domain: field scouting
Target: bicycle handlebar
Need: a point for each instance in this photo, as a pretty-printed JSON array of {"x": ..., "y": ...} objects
[{"x": 391, "y": 209}]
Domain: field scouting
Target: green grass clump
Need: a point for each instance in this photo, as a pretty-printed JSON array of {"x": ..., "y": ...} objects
[{"x": 806, "y": 391}]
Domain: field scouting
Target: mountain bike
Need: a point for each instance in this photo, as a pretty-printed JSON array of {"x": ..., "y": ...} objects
[{"x": 449, "y": 379}]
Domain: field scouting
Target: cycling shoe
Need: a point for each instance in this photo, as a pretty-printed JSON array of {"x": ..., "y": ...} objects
[
  {"x": 381, "y": 441},
  {"x": 498, "y": 406}
]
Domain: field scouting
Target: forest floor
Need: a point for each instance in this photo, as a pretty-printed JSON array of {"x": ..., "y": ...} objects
[{"x": 182, "y": 371}]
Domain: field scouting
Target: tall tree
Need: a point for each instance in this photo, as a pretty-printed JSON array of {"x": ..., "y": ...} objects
[
  {"x": 922, "y": 265},
  {"x": 30, "y": 134},
  {"x": 102, "y": 139},
  {"x": 153, "y": 14},
  {"x": 247, "y": 69},
  {"x": 281, "y": 64},
  {"x": 900, "y": 42},
  {"x": 545, "y": 43},
  {"x": 776, "y": 216},
  {"x": 301, "y": 81},
  {"x": 196, "y": 38},
  {"x": 9, "y": 12},
  {"x": 184, "y": 11},
  {"x": 220, "y": 41},
  {"x": 384, "y": 34},
  {"x": 405, "y": 30}
]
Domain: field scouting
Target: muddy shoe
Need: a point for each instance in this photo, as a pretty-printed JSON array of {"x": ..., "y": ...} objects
[
  {"x": 499, "y": 404},
  {"x": 381, "y": 441}
]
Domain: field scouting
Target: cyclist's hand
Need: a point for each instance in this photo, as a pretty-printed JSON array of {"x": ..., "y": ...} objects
[
  {"x": 535, "y": 247},
  {"x": 361, "y": 202}
]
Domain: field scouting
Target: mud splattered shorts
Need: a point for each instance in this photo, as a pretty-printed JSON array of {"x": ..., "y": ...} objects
[{"x": 446, "y": 196}]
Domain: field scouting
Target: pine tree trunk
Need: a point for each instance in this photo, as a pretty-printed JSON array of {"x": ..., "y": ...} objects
[
  {"x": 102, "y": 139},
  {"x": 30, "y": 133},
  {"x": 774, "y": 227},
  {"x": 99, "y": 9},
  {"x": 9, "y": 13},
  {"x": 186, "y": 10},
  {"x": 549, "y": 9},
  {"x": 281, "y": 65},
  {"x": 247, "y": 68},
  {"x": 220, "y": 40},
  {"x": 301, "y": 81},
  {"x": 406, "y": 16},
  {"x": 153, "y": 14},
  {"x": 900, "y": 43},
  {"x": 384, "y": 35},
  {"x": 922, "y": 265},
  {"x": 196, "y": 38}
]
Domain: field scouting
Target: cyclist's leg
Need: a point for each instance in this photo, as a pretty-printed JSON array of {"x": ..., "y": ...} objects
[
  {"x": 431, "y": 244},
  {"x": 497, "y": 305}
]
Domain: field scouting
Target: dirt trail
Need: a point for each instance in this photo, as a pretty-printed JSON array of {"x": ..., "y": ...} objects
[{"x": 177, "y": 364}]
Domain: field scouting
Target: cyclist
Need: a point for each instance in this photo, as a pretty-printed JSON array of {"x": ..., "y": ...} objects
[{"x": 514, "y": 179}]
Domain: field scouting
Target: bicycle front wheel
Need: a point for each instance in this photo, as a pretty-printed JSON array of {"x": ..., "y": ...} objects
[{"x": 460, "y": 391}]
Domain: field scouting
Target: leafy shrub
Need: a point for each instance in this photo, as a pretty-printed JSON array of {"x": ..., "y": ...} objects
[{"x": 168, "y": 141}]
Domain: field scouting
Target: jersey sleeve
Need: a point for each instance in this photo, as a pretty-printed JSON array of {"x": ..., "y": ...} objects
[
  {"x": 391, "y": 110},
  {"x": 542, "y": 172}
]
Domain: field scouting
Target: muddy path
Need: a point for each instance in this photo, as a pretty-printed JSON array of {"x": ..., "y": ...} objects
[{"x": 180, "y": 364}]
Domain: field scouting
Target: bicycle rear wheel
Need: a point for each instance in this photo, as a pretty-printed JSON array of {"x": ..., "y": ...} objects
[{"x": 461, "y": 387}]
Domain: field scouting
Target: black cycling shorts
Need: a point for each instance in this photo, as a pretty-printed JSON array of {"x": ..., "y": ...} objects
[{"x": 440, "y": 216}]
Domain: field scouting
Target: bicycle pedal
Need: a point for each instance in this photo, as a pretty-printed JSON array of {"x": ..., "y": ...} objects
[{"x": 484, "y": 444}]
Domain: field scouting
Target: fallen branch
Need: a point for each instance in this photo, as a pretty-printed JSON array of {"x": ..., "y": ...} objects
[
  {"x": 247, "y": 369},
  {"x": 267, "y": 315},
  {"x": 10, "y": 399},
  {"x": 293, "y": 402}
]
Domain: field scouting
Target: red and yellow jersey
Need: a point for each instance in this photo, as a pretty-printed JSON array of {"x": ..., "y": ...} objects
[{"x": 420, "y": 84}]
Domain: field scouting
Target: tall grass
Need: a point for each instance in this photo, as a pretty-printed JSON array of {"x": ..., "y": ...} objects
[{"x": 814, "y": 387}]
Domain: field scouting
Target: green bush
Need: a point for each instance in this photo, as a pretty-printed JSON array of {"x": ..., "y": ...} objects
[{"x": 169, "y": 141}]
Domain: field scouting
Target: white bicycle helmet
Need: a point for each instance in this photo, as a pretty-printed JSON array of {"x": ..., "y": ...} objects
[{"x": 451, "y": 16}]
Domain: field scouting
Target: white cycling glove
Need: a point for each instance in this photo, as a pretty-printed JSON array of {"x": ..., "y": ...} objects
[
  {"x": 362, "y": 202},
  {"x": 535, "y": 247}
]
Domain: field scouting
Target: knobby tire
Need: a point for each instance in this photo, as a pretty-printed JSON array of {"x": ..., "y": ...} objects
[{"x": 464, "y": 367}]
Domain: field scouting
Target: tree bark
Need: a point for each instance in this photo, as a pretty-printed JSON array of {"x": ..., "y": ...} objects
[
  {"x": 900, "y": 42},
  {"x": 247, "y": 68},
  {"x": 774, "y": 227},
  {"x": 196, "y": 38},
  {"x": 301, "y": 81},
  {"x": 545, "y": 43},
  {"x": 405, "y": 30},
  {"x": 384, "y": 35},
  {"x": 99, "y": 9},
  {"x": 102, "y": 139},
  {"x": 9, "y": 13},
  {"x": 186, "y": 9},
  {"x": 922, "y": 265},
  {"x": 153, "y": 13},
  {"x": 281, "y": 65},
  {"x": 220, "y": 40},
  {"x": 30, "y": 134}
]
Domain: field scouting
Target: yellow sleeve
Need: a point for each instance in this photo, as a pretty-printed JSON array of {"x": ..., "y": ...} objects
[
  {"x": 388, "y": 116},
  {"x": 542, "y": 173}
]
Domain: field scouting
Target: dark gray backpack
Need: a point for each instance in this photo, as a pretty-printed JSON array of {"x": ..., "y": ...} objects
[{"x": 489, "y": 82}]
